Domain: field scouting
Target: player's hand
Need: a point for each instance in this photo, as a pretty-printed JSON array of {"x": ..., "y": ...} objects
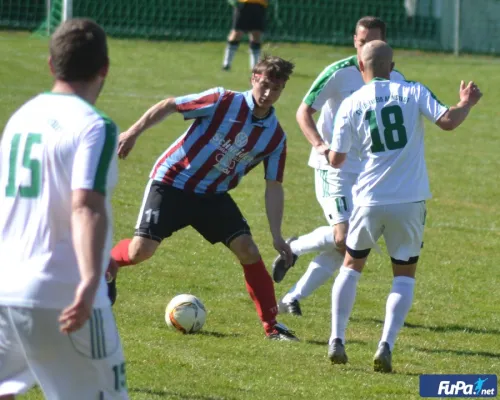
[
  {"x": 72, "y": 318},
  {"x": 112, "y": 270},
  {"x": 284, "y": 249},
  {"x": 126, "y": 142},
  {"x": 470, "y": 94},
  {"x": 322, "y": 148}
]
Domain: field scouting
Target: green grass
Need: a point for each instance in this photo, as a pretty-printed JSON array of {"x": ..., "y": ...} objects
[{"x": 454, "y": 325}]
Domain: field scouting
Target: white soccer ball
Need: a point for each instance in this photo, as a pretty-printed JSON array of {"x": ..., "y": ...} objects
[{"x": 185, "y": 313}]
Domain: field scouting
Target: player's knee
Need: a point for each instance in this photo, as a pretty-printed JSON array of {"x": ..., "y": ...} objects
[
  {"x": 245, "y": 249},
  {"x": 140, "y": 249},
  {"x": 340, "y": 241}
]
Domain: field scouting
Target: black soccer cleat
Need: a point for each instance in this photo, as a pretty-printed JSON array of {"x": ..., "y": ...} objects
[
  {"x": 336, "y": 352},
  {"x": 112, "y": 291},
  {"x": 291, "y": 308},
  {"x": 382, "y": 360},
  {"x": 279, "y": 265},
  {"x": 226, "y": 68},
  {"x": 281, "y": 332}
]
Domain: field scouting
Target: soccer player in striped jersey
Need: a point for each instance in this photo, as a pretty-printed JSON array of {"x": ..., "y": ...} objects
[
  {"x": 231, "y": 134},
  {"x": 333, "y": 186},
  {"x": 384, "y": 122},
  {"x": 59, "y": 167}
]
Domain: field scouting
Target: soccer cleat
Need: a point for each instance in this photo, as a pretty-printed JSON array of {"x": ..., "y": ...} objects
[
  {"x": 112, "y": 291},
  {"x": 336, "y": 352},
  {"x": 281, "y": 332},
  {"x": 291, "y": 308},
  {"x": 279, "y": 265},
  {"x": 382, "y": 360},
  {"x": 226, "y": 67}
]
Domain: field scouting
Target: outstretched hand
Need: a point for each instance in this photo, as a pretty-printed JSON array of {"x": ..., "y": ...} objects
[
  {"x": 126, "y": 142},
  {"x": 284, "y": 249},
  {"x": 470, "y": 94}
]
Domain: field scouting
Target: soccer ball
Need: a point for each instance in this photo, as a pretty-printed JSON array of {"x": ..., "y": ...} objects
[{"x": 185, "y": 313}]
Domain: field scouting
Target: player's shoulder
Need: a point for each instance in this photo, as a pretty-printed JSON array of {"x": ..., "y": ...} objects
[
  {"x": 397, "y": 75},
  {"x": 340, "y": 67}
]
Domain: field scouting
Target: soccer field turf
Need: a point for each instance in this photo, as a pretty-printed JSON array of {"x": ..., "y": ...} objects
[{"x": 454, "y": 324}]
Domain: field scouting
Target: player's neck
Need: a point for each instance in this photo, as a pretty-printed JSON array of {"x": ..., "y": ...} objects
[
  {"x": 84, "y": 90},
  {"x": 370, "y": 76},
  {"x": 261, "y": 112}
]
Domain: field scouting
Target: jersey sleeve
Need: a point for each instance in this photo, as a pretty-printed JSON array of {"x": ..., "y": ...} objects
[
  {"x": 342, "y": 130},
  {"x": 274, "y": 165},
  {"x": 199, "y": 105},
  {"x": 322, "y": 89},
  {"x": 94, "y": 156},
  {"x": 397, "y": 76},
  {"x": 429, "y": 104}
]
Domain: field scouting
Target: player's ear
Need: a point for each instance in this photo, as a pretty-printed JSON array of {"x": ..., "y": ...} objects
[
  {"x": 361, "y": 65},
  {"x": 103, "y": 72},
  {"x": 392, "y": 65},
  {"x": 354, "y": 40},
  {"x": 51, "y": 66}
]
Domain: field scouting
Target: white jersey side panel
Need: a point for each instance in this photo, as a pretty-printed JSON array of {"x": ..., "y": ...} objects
[
  {"x": 383, "y": 121},
  {"x": 50, "y": 146}
]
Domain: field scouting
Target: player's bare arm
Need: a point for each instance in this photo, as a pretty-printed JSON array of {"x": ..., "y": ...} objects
[
  {"x": 151, "y": 117},
  {"x": 275, "y": 203},
  {"x": 336, "y": 159},
  {"x": 469, "y": 97},
  {"x": 308, "y": 126},
  {"x": 89, "y": 229}
]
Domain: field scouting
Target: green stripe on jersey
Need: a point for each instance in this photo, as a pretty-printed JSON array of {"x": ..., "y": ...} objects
[
  {"x": 325, "y": 76},
  {"x": 107, "y": 152},
  {"x": 431, "y": 92}
]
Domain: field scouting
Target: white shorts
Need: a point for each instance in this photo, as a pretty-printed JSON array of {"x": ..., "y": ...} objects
[
  {"x": 402, "y": 226},
  {"x": 334, "y": 193},
  {"x": 87, "y": 364}
]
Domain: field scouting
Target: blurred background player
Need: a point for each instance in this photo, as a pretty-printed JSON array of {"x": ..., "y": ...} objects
[
  {"x": 333, "y": 186},
  {"x": 249, "y": 16},
  {"x": 232, "y": 133},
  {"x": 59, "y": 166},
  {"x": 384, "y": 121}
]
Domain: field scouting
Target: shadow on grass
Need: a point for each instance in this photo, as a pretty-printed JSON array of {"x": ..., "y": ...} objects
[
  {"x": 325, "y": 342},
  {"x": 488, "y": 354},
  {"x": 218, "y": 334},
  {"x": 165, "y": 393},
  {"x": 438, "y": 328}
]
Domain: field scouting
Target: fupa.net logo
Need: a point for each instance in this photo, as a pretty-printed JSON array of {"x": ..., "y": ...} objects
[{"x": 458, "y": 385}]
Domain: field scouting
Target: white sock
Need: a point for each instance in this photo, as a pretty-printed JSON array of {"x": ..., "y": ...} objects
[
  {"x": 343, "y": 296},
  {"x": 229, "y": 53},
  {"x": 321, "y": 239},
  {"x": 398, "y": 305},
  {"x": 319, "y": 271}
]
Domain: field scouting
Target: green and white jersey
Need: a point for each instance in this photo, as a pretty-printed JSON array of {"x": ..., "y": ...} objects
[
  {"x": 52, "y": 145},
  {"x": 337, "y": 82},
  {"x": 384, "y": 122}
]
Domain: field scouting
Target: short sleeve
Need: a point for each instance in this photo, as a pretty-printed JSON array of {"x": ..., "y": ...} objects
[
  {"x": 322, "y": 89},
  {"x": 342, "y": 130},
  {"x": 94, "y": 156},
  {"x": 199, "y": 105},
  {"x": 274, "y": 165},
  {"x": 429, "y": 105}
]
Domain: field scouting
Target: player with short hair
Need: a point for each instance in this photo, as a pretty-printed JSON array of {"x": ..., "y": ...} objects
[
  {"x": 59, "y": 166},
  {"x": 231, "y": 134},
  {"x": 384, "y": 122},
  {"x": 333, "y": 186},
  {"x": 249, "y": 16}
]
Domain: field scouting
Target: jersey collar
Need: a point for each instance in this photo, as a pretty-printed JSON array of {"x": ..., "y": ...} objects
[
  {"x": 378, "y": 80},
  {"x": 266, "y": 122}
]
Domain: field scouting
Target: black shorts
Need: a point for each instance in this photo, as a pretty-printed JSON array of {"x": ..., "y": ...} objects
[
  {"x": 249, "y": 17},
  {"x": 166, "y": 210}
]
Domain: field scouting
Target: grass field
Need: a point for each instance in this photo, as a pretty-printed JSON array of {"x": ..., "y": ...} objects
[{"x": 454, "y": 325}]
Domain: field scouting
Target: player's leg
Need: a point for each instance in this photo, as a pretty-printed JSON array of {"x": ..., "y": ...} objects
[
  {"x": 164, "y": 210},
  {"x": 256, "y": 26},
  {"x": 219, "y": 220},
  {"x": 404, "y": 229},
  {"x": 333, "y": 191},
  {"x": 86, "y": 364},
  {"x": 365, "y": 228},
  {"x": 234, "y": 37},
  {"x": 15, "y": 375}
]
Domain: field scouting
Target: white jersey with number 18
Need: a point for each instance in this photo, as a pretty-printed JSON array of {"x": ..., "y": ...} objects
[
  {"x": 52, "y": 145},
  {"x": 384, "y": 120}
]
